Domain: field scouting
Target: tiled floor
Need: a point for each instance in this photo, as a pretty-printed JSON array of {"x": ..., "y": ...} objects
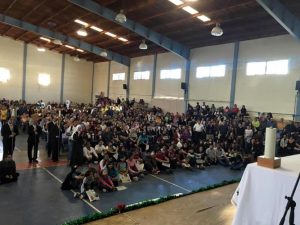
[{"x": 37, "y": 199}]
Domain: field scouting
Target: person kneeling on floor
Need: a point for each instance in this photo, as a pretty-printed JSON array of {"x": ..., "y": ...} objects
[
  {"x": 8, "y": 170},
  {"x": 73, "y": 179},
  {"x": 88, "y": 183}
]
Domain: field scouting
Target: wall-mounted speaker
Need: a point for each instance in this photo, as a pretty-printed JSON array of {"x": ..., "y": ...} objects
[
  {"x": 298, "y": 85},
  {"x": 124, "y": 86},
  {"x": 183, "y": 86}
]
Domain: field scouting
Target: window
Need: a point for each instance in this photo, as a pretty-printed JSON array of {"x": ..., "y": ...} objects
[
  {"x": 256, "y": 68},
  {"x": 142, "y": 75},
  {"x": 277, "y": 67},
  {"x": 170, "y": 74},
  {"x": 211, "y": 71},
  {"x": 44, "y": 79},
  {"x": 118, "y": 76},
  {"x": 4, "y": 75}
]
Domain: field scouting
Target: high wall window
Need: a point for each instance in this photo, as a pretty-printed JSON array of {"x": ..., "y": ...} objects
[
  {"x": 44, "y": 79},
  {"x": 4, "y": 75},
  {"x": 118, "y": 76},
  {"x": 210, "y": 71},
  {"x": 170, "y": 74},
  {"x": 142, "y": 75},
  {"x": 277, "y": 67}
]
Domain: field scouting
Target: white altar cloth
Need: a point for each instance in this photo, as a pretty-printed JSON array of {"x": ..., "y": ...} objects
[{"x": 260, "y": 196}]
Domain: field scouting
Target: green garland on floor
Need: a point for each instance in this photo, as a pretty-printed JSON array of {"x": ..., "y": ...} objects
[{"x": 114, "y": 211}]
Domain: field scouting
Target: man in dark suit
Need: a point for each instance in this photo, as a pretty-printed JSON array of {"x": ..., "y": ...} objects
[
  {"x": 34, "y": 131},
  {"x": 9, "y": 132}
]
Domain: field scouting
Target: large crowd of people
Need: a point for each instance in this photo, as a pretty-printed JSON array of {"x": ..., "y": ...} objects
[{"x": 120, "y": 141}]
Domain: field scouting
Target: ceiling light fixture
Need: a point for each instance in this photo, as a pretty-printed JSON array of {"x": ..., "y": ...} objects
[
  {"x": 120, "y": 17},
  {"x": 203, "y": 18},
  {"x": 217, "y": 31},
  {"x": 70, "y": 47},
  {"x": 110, "y": 34},
  {"x": 81, "y": 22},
  {"x": 176, "y": 2},
  {"x": 190, "y": 10},
  {"x": 96, "y": 28},
  {"x": 122, "y": 39},
  {"x": 143, "y": 45},
  {"x": 57, "y": 42},
  {"x": 45, "y": 39},
  {"x": 79, "y": 50},
  {"x": 103, "y": 53},
  {"x": 76, "y": 58},
  {"x": 41, "y": 49},
  {"x": 82, "y": 32}
]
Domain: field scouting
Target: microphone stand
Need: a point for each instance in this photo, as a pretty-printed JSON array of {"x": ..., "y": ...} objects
[{"x": 291, "y": 204}]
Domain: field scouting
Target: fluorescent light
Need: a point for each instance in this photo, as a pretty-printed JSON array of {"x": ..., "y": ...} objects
[
  {"x": 96, "y": 28},
  {"x": 110, "y": 34},
  {"x": 123, "y": 39},
  {"x": 176, "y": 2},
  {"x": 203, "y": 18},
  {"x": 41, "y": 49},
  {"x": 79, "y": 50},
  {"x": 81, "y": 22},
  {"x": 68, "y": 46},
  {"x": 190, "y": 10},
  {"x": 82, "y": 32},
  {"x": 45, "y": 39}
]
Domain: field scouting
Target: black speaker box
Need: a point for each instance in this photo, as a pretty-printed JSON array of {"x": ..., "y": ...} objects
[
  {"x": 183, "y": 86},
  {"x": 124, "y": 86},
  {"x": 298, "y": 85}
]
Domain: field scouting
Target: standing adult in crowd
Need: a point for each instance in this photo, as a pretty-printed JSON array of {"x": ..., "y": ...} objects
[
  {"x": 9, "y": 131},
  {"x": 34, "y": 132}
]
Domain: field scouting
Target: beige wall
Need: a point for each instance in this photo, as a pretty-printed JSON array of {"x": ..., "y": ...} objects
[
  {"x": 100, "y": 81},
  {"x": 211, "y": 89},
  {"x": 78, "y": 80},
  {"x": 11, "y": 58},
  {"x": 169, "y": 87},
  {"x": 43, "y": 62},
  {"x": 268, "y": 93},
  {"x": 116, "y": 86},
  {"x": 141, "y": 88}
]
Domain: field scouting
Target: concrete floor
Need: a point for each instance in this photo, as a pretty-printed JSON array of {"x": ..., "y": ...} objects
[{"x": 37, "y": 199}]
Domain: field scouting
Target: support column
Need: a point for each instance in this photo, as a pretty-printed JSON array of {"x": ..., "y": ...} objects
[
  {"x": 234, "y": 73},
  {"x": 297, "y": 107},
  {"x": 93, "y": 76},
  {"x": 128, "y": 82},
  {"x": 62, "y": 78},
  {"x": 24, "y": 71},
  {"x": 187, "y": 84},
  {"x": 108, "y": 81},
  {"x": 154, "y": 75}
]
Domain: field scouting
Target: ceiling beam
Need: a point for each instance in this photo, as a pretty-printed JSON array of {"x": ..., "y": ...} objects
[
  {"x": 44, "y": 20},
  {"x": 143, "y": 31},
  {"x": 64, "y": 38},
  {"x": 10, "y": 6},
  {"x": 283, "y": 16}
]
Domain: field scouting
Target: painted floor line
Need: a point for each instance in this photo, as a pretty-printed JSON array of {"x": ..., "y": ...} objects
[
  {"x": 159, "y": 178},
  {"x": 56, "y": 178}
]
